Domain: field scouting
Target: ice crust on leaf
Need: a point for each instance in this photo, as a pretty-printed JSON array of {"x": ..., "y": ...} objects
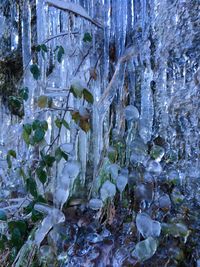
[
  {"x": 145, "y": 249},
  {"x": 146, "y": 226},
  {"x": 108, "y": 189}
]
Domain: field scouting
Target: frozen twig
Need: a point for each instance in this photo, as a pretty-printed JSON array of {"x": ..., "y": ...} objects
[
  {"x": 110, "y": 91},
  {"x": 74, "y": 8}
]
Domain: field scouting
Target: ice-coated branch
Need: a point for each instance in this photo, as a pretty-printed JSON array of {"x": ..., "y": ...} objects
[
  {"x": 108, "y": 95},
  {"x": 74, "y": 8}
]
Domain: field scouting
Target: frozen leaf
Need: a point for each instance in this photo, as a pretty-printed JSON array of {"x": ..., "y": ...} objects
[
  {"x": 88, "y": 96},
  {"x": 60, "y": 54},
  {"x": 35, "y": 71},
  {"x": 146, "y": 226},
  {"x": 77, "y": 88},
  {"x": 95, "y": 204},
  {"x": 131, "y": 113},
  {"x": 23, "y": 93},
  {"x": 145, "y": 249},
  {"x": 114, "y": 170},
  {"x": 38, "y": 135},
  {"x": 87, "y": 37},
  {"x": 157, "y": 152},
  {"x": 121, "y": 182},
  {"x": 67, "y": 148},
  {"x": 61, "y": 196},
  {"x": 3, "y": 215},
  {"x": 84, "y": 112},
  {"x": 108, "y": 190},
  {"x": 165, "y": 202},
  {"x": 154, "y": 167},
  {"x": 71, "y": 168},
  {"x": 42, "y": 175}
]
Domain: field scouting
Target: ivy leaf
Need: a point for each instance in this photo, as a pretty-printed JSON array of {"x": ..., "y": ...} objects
[
  {"x": 60, "y": 54},
  {"x": 64, "y": 155},
  {"x": 44, "y": 125},
  {"x": 23, "y": 93},
  {"x": 44, "y": 48},
  {"x": 42, "y": 175},
  {"x": 88, "y": 96},
  {"x": 37, "y": 48},
  {"x": 87, "y": 37},
  {"x": 36, "y": 215},
  {"x": 42, "y": 101},
  {"x": 58, "y": 154},
  {"x": 32, "y": 187},
  {"x": 9, "y": 162},
  {"x": 38, "y": 135},
  {"x": 49, "y": 160},
  {"x": 35, "y": 71},
  {"x": 12, "y": 153},
  {"x": 58, "y": 123},
  {"x": 3, "y": 215},
  {"x": 36, "y": 124},
  {"x": 27, "y": 128}
]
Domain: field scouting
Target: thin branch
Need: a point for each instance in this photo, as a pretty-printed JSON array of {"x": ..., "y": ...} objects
[
  {"x": 58, "y": 35},
  {"x": 111, "y": 89},
  {"x": 74, "y": 8},
  {"x": 84, "y": 57}
]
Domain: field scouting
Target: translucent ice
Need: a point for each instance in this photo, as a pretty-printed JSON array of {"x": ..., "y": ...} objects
[
  {"x": 146, "y": 226},
  {"x": 131, "y": 113},
  {"x": 108, "y": 189}
]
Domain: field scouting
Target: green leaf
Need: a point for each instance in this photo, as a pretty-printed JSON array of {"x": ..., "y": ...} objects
[
  {"x": 77, "y": 90},
  {"x": 32, "y": 187},
  {"x": 60, "y": 54},
  {"x": 44, "y": 48},
  {"x": 38, "y": 135},
  {"x": 87, "y": 37},
  {"x": 9, "y": 162},
  {"x": 35, "y": 71},
  {"x": 65, "y": 124},
  {"x": 49, "y": 160},
  {"x": 88, "y": 96},
  {"x": 23, "y": 93},
  {"x": 44, "y": 125},
  {"x": 64, "y": 155},
  {"x": 36, "y": 124},
  {"x": 26, "y": 137},
  {"x": 16, "y": 238},
  {"x": 21, "y": 225},
  {"x": 58, "y": 123},
  {"x": 28, "y": 128},
  {"x": 38, "y": 48},
  {"x": 15, "y": 102},
  {"x": 42, "y": 175},
  {"x": 12, "y": 153},
  {"x": 3, "y": 241},
  {"x": 36, "y": 215},
  {"x": 58, "y": 154},
  {"x": 3, "y": 215},
  {"x": 42, "y": 101}
]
